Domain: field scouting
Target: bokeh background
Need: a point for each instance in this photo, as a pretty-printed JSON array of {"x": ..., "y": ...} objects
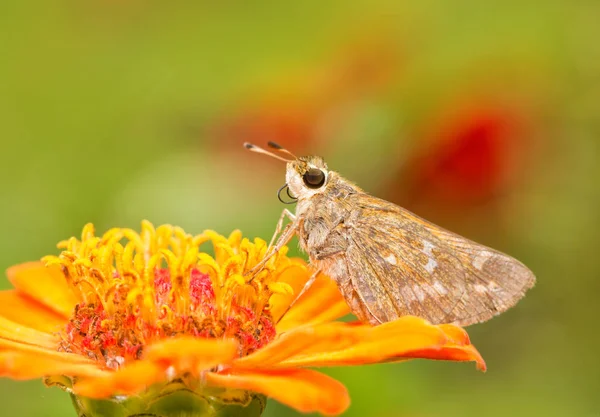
[{"x": 481, "y": 116}]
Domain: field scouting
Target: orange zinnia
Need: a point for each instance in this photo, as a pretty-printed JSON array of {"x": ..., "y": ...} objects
[{"x": 147, "y": 323}]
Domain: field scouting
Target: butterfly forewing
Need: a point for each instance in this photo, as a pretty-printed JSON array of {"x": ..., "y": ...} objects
[{"x": 401, "y": 264}]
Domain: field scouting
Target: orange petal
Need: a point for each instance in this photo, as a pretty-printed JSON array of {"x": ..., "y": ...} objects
[
  {"x": 457, "y": 353},
  {"x": 26, "y": 365},
  {"x": 128, "y": 380},
  {"x": 191, "y": 354},
  {"x": 296, "y": 274},
  {"x": 177, "y": 356},
  {"x": 10, "y": 345},
  {"x": 395, "y": 339},
  {"x": 321, "y": 303},
  {"x": 307, "y": 314},
  {"x": 328, "y": 336},
  {"x": 44, "y": 284},
  {"x": 23, "y": 334},
  {"x": 24, "y": 310},
  {"x": 458, "y": 348},
  {"x": 302, "y": 389},
  {"x": 456, "y": 334}
]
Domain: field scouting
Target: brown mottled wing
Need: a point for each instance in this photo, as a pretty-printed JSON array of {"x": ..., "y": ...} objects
[{"x": 401, "y": 264}]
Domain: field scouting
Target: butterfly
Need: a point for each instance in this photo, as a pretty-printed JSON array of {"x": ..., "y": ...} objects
[{"x": 387, "y": 261}]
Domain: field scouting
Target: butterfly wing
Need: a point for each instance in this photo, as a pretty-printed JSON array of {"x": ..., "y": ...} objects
[{"x": 401, "y": 264}]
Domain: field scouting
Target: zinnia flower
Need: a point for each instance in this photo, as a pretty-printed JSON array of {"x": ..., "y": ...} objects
[{"x": 147, "y": 323}]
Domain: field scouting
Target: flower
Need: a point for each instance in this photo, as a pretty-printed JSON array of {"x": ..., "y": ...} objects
[
  {"x": 128, "y": 316},
  {"x": 471, "y": 155}
]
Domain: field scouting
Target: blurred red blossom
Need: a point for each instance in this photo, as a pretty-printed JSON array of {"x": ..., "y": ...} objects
[{"x": 470, "y": 155}]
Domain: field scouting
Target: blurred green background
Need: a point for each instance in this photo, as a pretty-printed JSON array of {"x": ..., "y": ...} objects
[{"x": 481, "y": 116}]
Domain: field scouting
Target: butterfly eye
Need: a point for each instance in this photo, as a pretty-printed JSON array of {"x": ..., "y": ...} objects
[{"x": 314, "y": 178}]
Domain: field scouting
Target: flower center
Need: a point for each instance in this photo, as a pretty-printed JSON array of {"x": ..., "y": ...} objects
[{"x": 139, "y": 288}]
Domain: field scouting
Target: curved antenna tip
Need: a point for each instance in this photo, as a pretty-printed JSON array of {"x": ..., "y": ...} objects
[
  {"x": 274, "y": 145},
  {"x": 253, "y": 148},
  {"x": 280, "y": 148}
]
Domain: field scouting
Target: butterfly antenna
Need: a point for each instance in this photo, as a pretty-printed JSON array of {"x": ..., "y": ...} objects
[
  {"x": 258, "y": 149},
  {"x": 280, "y": 148}
]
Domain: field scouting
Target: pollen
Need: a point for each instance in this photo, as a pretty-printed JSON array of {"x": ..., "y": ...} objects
[{"x": 136, "y": 288}]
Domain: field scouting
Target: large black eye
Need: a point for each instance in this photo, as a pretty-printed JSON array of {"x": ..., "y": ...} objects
[{"x": 314, "y": 178}]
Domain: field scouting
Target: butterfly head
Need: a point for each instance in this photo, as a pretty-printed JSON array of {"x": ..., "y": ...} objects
[{"x": 306, "y": 176}]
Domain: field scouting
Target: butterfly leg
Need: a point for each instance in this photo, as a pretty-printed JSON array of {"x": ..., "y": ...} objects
[
  {"x": 285, "y": 213},
  {"x": 308, "y": 284},
  {"x": 284, "y": 238}
]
